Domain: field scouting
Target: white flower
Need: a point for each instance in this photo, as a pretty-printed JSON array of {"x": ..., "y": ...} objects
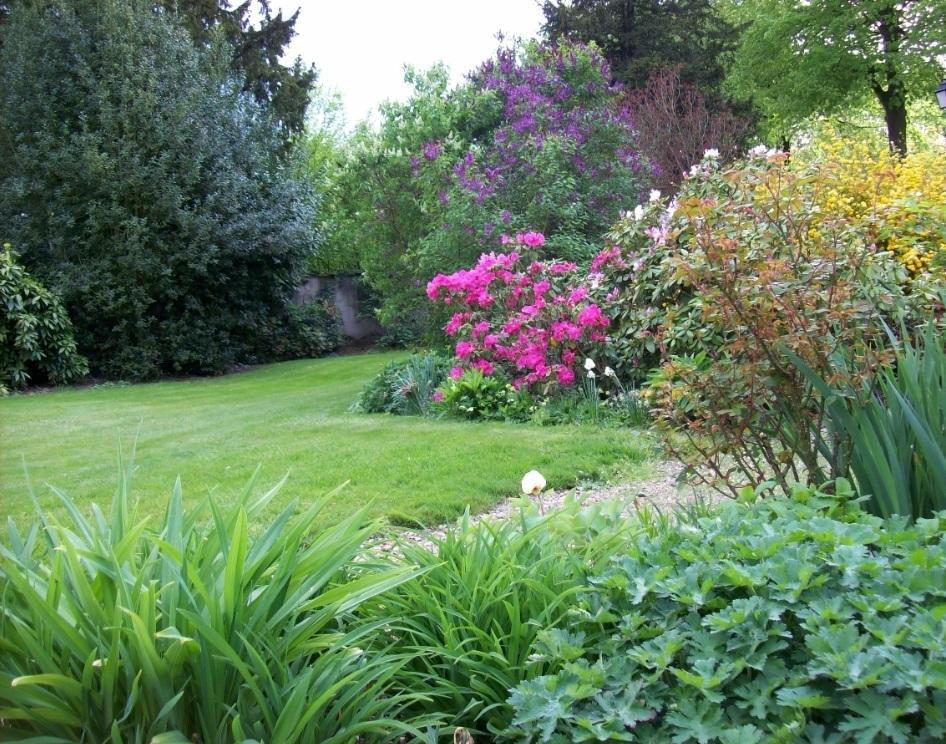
[
  {"x": 639, "y": 212},
  {"x": 711, "y": 154},
  {"x": 758, "y": 151},
  {"x": 533, "y": 482},
  {"x": 608, "y": 372},
  {"x": 654, "y": 195},
  {"x": 589, "y": 363},
  {"x": 591, "y": 375}
]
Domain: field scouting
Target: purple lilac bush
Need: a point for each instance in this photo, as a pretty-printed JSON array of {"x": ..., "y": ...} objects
[{"x": 563, "y": 159}]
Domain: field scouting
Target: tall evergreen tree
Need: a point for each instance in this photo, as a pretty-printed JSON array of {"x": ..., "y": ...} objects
[
  {"x": 258, "y": 40},
  {"x": 639, "y": 37}
]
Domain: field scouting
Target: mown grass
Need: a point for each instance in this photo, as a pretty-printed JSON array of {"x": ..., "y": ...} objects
[{"x": 293, "y": 418}]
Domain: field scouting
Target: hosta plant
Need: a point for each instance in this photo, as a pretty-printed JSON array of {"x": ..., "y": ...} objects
[
  {"x": 803, "y": 619},
  {"x": 200, "y": 628}
]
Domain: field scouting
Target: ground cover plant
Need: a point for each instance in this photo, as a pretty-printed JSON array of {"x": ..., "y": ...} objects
[
  {"x": 802, "y": 619},
  {"x": 290, "y": 417}
]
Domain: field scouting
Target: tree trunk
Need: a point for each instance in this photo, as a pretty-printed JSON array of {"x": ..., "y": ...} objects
[
  {"x": 893, "y": 101},
  {"x": 893, "y": 95},
  {"x": 896, "y": 115}
]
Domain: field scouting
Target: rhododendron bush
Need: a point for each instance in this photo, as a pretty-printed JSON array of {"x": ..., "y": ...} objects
[
  {"x": 529, "y": 319},
  {"x": 723, "y": 289}
]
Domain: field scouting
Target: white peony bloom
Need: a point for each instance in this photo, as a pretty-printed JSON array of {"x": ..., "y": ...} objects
[
  {"x": 533, "y": 482},
  {"x": 608, "y": 372},
  {"x": 591, "y": 375},
  {"x": 654, "y": 194},
  {"x": 711, "y": 154},
  {"x": 589, "y": 363}
]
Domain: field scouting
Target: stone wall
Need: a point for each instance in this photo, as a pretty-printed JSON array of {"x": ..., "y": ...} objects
[{"x": 343, "y": 292}]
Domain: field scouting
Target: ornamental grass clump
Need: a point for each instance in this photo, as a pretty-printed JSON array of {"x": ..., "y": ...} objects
[
  {"x": 802, "y": 619},
  {"x": 485, "y": 591},
  {"x": 896, "y": 429},
  {"x": 197, "y": 628}
]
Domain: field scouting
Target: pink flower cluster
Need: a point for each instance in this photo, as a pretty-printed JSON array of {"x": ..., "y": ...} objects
[{"x": 532, "y": 319}]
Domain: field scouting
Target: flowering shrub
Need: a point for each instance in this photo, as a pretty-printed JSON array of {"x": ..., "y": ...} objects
[
  {"x": 656, "y": 313},
  {"x": 562, "y": 159},
  {"x": 743, "y": 267},
  {"x": 900, "y": 199},
  {"x": 527, "y": 318}
]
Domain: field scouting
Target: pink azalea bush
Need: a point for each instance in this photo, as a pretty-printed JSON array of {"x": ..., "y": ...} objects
[{"x": 531, "y": 320}]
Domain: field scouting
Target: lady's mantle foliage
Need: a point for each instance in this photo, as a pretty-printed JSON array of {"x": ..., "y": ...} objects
[{"x": 802, "y": 619}]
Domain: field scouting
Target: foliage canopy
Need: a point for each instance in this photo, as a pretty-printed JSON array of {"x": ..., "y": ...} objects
[{"x": 145, "y": 188}]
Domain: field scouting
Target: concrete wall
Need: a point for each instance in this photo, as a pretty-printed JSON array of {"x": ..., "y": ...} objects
[{"x": 343, "y": 292}]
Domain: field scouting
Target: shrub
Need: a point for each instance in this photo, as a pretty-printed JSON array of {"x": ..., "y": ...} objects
[
  {"x": 562, "y": 159},
  {"x": 196, "y": 628},
  {"x": 474, "y": 395},
  {"x": 900, "y": 200},
  {"x": 406, "y": 388},
  {"x": 676, "y": 124},
  {"x": 388, "y": 194},
  {"x": 484, "y": 592},
  {"x": 149, "y": 193},
  {"x": 751, "y": 268},
  {"x": 36, "y": 342},
  {"x": 524, "y": 317},
  {"x": 305, "y": 332},
  {"x": 784, "y": 620}
]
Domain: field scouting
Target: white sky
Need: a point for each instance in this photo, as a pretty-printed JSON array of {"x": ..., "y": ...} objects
[{"x": 361, "y": 46}]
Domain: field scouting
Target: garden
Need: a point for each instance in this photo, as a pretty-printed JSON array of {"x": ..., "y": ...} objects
[{"x": 701, "y": 240}]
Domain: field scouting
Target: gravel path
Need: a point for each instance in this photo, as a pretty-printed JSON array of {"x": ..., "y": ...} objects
[{"x": 660, "y": 490}]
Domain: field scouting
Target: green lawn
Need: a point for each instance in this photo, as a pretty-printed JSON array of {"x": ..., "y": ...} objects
[{"x": 290, "y": 417}]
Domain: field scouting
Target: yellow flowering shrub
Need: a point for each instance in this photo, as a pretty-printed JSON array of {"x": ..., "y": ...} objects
[{"x": 903, "y": 201}]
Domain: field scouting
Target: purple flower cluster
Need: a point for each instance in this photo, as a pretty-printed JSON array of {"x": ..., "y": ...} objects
[{"x": 561, "y": 118}]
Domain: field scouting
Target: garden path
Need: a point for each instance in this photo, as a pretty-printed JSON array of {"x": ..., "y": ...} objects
[{"x": 661, "y": 490}]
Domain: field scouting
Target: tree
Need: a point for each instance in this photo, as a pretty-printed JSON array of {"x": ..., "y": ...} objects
[
  {"x": 820, "y": 56},
  {"x": 141, "y": 185},
  {"x": 676, "y": 125},
  {"x": 391, "y": 185},
  {"x": 639, "y": 37},
  {"x": 257, "y": 39},
  {"x": 257, "y": 52}
]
